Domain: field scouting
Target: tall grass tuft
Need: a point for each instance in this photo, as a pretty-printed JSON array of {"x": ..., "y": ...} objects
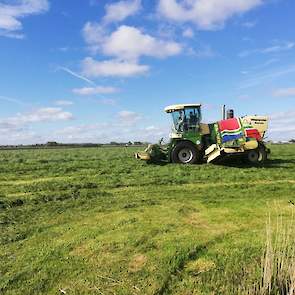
[{"x": 278, "y": 260}]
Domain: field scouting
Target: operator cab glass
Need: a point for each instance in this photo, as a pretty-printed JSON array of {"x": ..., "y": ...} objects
[{"x": 186, "y": 119}]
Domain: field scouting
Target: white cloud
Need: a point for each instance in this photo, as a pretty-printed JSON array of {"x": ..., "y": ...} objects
[
  {"x": 277, "y": 48},
  {"x": 95, "y": 90},
  {"x": 128, "y": 117},
  {"x": 64, "y": 103},
  {"x": 13, "y": 35},
  {"x": 20, "y": 136},
  {"x": 265, "y": 77},
  {"x": 10, "y": 15},
  {"x": 282, "y": 125},
  {"x": 108, "y": 101},
  {"x": 36, "y": 116},
  {"x": 94, "y": 34},
  {"x": 265, "y": 64},
  {"x": 249, "y": 24},
  {"x": 281, "y": 46},
  {"x": 247, "y": 39},
  {"x": 206, "y": 14},
  {"x": 128, "y": 43},
  {"x": 63, "y": 49},
  {"x": 204, "y": 51},
  {"x": 188, "y": 33},
  {"x": 259, "y": 66},
  {"x": 42, "y": 115},
  {"x": 284, "y": 92},
  {"x": 119, "y": 11},
  {"x": 12, "y": 100},
  {"x": 112, "y": 131},
  {"x": 126, "y": 125},
  {"x": 112, "y": 68},
  {"x": 18, "y": 129},
  {"x": 115, "y": 132}
]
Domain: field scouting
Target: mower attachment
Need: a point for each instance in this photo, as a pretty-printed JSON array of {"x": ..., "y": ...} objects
[{"x": 142, "y": 156}]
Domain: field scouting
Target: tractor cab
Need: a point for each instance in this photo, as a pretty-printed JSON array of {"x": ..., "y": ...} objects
[{"x": 186, "y": 118}]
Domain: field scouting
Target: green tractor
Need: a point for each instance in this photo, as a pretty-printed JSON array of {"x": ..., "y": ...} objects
[{"x": 192, "y": 141}]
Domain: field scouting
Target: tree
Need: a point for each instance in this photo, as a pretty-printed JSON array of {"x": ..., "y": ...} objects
[{"x": 51, "y": 143}]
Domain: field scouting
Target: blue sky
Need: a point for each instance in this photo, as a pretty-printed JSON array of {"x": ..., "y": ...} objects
[{"x": 100, "y": 71}]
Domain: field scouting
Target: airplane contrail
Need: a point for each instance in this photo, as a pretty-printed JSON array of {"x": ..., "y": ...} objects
[{"x": 76, "y": 75}]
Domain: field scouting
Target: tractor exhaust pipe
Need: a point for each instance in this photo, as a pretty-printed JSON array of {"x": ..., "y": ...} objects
[{"x": 223, "y": 112}]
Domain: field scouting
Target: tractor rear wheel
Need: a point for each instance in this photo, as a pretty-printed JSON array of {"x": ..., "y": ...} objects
[
  {"x": 257, "y": 156},
  {"x": 185, "y": 153}
]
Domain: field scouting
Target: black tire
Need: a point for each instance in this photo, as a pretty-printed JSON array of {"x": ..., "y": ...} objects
[
  {"x": 257, "y": 156},
  {"x": 185, "y": 153}
]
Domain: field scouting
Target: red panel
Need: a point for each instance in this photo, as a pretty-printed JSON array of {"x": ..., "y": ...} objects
[
  {"x": 253, "y": 133},
  {"x": 230, "y": 124}
]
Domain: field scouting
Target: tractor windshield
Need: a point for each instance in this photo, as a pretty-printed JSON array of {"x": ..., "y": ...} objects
[{"x": 187, "y": 119}]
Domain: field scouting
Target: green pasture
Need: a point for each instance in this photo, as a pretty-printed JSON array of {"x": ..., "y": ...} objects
[{"x": 97, "y": 221}]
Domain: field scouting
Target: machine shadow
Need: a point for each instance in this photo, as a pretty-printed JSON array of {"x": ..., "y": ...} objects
[
  {"x": 270, "y": 163},
  {"x": 158, "y": 163},
  {"x": 239, "y": 163}
]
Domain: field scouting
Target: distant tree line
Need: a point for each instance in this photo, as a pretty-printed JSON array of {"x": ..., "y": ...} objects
[
  {"x": 281, "y": 142},
  {"x": 54, "y": 144}
]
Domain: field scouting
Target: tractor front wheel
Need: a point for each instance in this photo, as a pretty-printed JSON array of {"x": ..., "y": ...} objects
[{"x": 185, "y": 153}]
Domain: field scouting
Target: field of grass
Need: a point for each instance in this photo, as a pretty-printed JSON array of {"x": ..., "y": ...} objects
[{"x": 97, "y": 221}]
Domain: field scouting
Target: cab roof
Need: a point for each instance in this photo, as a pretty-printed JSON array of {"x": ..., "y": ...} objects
[{"x": 178, "y": 107}]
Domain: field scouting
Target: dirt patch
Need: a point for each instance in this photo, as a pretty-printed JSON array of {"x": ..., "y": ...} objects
[{"x": 137, "y": 263}]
